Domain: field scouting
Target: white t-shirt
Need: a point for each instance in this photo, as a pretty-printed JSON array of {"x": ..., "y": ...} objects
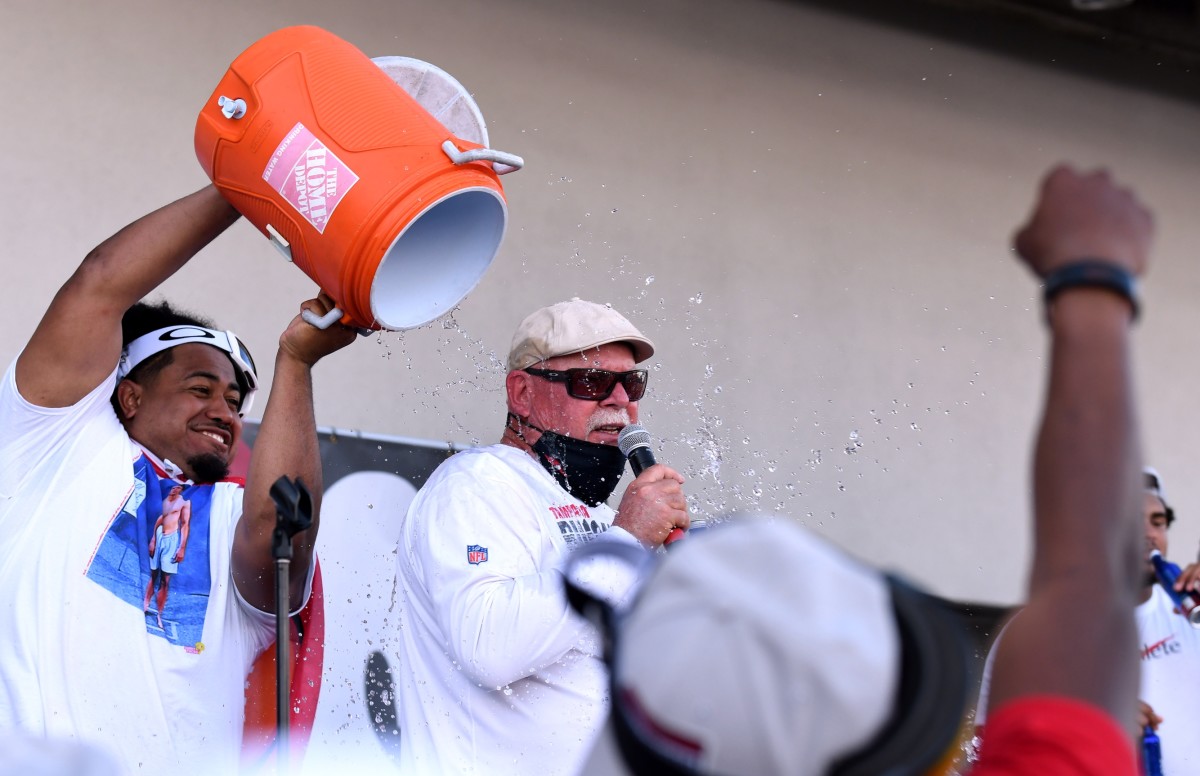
[
  {"x": 79, "y": 657},
  {"x": 1170, "y": 680},
  {"x": 497, "y": 674}
]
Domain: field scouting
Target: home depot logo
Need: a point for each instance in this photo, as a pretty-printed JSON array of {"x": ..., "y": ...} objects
[{"x": 309, "y": 176}]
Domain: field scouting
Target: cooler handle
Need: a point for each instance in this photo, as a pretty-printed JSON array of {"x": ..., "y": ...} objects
[
  {"x": 328, "y": 319},
  {"x": 322, "y": 321},
  {"x": 502, "y": 163}
]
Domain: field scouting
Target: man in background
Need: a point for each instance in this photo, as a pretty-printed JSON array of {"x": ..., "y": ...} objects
[
  {"x": 1170, "y": 647},
  {"x": 1168, "y": 697}
]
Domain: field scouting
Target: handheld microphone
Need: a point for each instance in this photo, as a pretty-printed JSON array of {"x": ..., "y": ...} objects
[{"x": 634, "y": 444}]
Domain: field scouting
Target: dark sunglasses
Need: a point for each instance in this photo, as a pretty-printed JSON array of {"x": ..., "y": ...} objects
[{"x": 596, "y": 384}]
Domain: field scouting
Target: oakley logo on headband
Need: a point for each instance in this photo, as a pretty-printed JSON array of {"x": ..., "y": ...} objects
[
  {"x": 166, "y": 338},
  {"x": 185, "y": 333}
]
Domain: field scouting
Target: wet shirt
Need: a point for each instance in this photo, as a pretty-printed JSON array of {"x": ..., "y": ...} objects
[{"x": 497, "y": 675}]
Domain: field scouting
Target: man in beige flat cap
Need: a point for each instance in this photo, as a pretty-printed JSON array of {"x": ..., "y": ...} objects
[{"x": 497, "y": 674}]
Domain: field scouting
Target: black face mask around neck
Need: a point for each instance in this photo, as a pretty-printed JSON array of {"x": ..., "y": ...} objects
[{"x": 588, "y": 471}]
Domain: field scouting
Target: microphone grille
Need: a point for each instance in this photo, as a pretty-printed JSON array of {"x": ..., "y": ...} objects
[{"x": 631, "y": 438}]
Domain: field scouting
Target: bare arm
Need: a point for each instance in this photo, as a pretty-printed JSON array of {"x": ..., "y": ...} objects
[
  {"x": 185, "y": 529},
  {"x": 154, "y": 535},
  {"x": 78, "y": 341},
  {"x": 286, "y": 445},
  {"x": 1077, "y": 638}
]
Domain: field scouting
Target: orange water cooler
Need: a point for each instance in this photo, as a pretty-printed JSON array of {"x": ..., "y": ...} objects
[{"x": 387, "y": 210}]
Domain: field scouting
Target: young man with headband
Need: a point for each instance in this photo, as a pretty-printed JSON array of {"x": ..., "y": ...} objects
[{"x": 112, "y": 410}]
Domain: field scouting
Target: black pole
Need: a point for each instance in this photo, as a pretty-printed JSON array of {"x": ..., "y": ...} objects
[
  {"x": 293, "y": 513},
  {"x": 283, "y": 639}
]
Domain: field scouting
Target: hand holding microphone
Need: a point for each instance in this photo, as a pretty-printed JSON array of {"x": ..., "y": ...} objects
[{"x": 647, "y": 504}]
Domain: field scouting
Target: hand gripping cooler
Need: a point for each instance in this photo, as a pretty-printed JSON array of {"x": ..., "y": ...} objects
[{"x": 388, "y": 210}]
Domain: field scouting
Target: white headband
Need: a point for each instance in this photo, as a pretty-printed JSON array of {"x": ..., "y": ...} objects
[{"x": 227, "y": 342}]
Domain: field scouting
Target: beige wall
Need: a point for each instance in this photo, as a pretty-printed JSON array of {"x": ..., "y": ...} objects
[{"x": 807, "y": 212}]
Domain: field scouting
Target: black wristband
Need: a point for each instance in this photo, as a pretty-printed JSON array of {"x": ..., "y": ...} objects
[{"x": 1092, "y": 273}]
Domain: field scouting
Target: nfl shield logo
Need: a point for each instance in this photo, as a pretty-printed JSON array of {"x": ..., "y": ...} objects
[{"x": 476, "y": 554}]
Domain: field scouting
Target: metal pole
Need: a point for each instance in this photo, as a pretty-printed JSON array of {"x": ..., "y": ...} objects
[
  {"x": 293, "y": 513},
  {"x": 282, "y": 664}
]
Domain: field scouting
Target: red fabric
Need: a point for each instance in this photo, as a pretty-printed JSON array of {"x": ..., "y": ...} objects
[
  {"x": 308, "y": 658},
  {"x": 1046, "y": 735},
  {"x": 239, "y": 467}
]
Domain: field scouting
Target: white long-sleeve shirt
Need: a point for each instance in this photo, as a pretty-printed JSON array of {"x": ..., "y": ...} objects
[{"x": 497, "y": 674}]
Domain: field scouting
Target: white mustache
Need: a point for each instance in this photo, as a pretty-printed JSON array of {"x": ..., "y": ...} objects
[{"x": 604, "y": 416}]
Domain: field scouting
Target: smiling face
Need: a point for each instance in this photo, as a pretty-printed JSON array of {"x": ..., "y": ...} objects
[
  {"x": 547, "y": 405},
  {"x": 187, "y": 412}
]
